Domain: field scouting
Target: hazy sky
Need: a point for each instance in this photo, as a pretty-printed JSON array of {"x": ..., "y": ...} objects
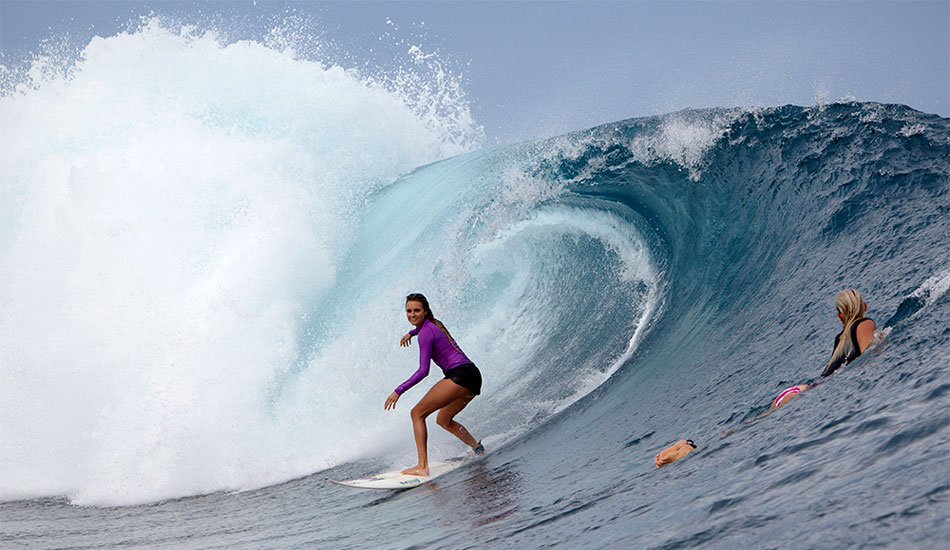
[{"x": 535, "y": 69}]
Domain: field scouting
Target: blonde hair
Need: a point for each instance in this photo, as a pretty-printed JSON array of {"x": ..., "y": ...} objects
[{"x": 851, "y": 307}]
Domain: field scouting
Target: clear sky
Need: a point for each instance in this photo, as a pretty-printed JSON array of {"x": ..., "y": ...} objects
[{"x": 536, "y": 69}]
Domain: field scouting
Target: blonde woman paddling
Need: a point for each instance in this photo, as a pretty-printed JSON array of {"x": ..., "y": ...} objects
[
  {"x": 855, "y": 337},
  {"x": 450, "y": 395},
  {"x": 857, "y": 333}
]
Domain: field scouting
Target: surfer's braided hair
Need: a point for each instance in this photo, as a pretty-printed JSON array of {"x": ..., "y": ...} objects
[
  {"x": 416, "y": 297},
  {"x": 850, "y": 305}
]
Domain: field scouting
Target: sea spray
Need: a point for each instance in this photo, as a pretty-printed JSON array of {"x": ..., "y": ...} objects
[{"x": 171, "y": 205}]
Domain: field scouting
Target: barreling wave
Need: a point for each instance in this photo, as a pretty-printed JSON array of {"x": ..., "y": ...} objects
[{"x": 201, "y": 276}]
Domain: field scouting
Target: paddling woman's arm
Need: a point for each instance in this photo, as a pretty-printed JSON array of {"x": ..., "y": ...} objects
[{"x": 674, "y": 452}]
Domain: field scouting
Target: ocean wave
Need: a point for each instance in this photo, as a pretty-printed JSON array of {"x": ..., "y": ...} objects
[{"x": 204, "y": 249}]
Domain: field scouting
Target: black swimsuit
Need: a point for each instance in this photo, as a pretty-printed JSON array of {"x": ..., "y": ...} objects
[
  {"x": 852, "y": 354},
  {"x": 467, "y": 376}
]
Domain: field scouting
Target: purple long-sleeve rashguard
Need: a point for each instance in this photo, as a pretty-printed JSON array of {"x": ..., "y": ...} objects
[{"x": 434, "y": 345}]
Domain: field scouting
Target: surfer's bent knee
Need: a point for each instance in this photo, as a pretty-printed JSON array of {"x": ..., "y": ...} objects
[{"x": 419, "y": 412}]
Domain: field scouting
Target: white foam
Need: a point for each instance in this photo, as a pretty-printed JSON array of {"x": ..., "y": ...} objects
[
  {"x": 910, "y": 130},
  {"x": 684, "y": 138},
  {"x": 934, "y": 287},
  {"x": 170, "y": 204}
]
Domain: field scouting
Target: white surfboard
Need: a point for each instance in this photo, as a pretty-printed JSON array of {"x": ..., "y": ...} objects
[{"x": 398, "y": 480}]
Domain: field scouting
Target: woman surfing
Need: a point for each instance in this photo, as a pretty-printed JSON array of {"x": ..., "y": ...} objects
[{"x": 450, "y": 395}]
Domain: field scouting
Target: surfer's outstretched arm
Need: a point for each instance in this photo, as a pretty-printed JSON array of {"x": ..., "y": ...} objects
[{"x": 391, "y": 401}]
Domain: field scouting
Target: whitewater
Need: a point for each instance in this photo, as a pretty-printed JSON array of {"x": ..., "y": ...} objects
[{"x": 204, "y": 250}]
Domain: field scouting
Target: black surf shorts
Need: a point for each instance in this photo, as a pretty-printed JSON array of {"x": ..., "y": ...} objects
[{"x": 467, "y": 376}]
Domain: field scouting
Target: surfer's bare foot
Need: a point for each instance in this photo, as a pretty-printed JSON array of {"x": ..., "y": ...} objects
[
  {"x": 673, "y": 453},
  {"x": 417, "y": 471}
]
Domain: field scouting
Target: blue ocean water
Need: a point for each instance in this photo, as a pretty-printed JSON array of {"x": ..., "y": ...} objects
[{"x": 201, "y": 292}]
